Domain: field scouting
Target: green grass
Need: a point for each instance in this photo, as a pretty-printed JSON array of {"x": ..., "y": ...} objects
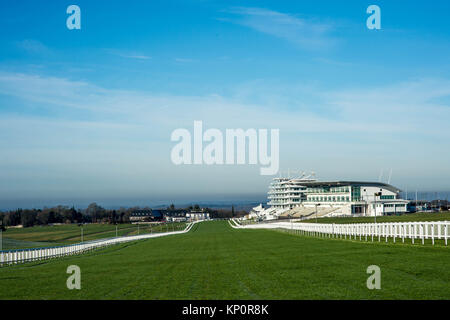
[
  {"x": 41, "y": 236},
  {"x": 214, "y": 261},
  {"x": 11, "y": 244},
  {"x": 416, "y": 217}
]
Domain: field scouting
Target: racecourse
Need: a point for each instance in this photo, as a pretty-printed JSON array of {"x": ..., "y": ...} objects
[{"x": 215, "y": 261}]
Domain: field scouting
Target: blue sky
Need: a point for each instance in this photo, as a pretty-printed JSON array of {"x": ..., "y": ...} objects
[{"x": 87, "y": 114}]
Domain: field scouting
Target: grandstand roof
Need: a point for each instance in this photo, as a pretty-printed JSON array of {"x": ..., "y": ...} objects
[{"x": 351, "y": 183}]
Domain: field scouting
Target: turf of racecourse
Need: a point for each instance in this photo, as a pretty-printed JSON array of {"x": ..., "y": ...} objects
[{"x": 214, "y": 261}]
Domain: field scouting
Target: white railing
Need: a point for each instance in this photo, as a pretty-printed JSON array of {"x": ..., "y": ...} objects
[
  {"x": 25, "y": 255},
  {"x": 401, "y": 231}
]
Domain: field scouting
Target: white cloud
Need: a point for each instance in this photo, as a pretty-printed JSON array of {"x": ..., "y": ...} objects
[
  {"x": 137, "y": 56},
  {"x": 407, "y": 105},
  {"x": 129, "y": 54},
  {"x": 122, "y": 138},
  {"x": 307, "y": 33},
  {"x": 34, "y": 47},
  {"x": 397, "y": 107}
]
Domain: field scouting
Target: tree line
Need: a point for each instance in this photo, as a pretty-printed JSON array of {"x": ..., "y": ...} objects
[
  {"x": 92, "y": 214},
  {"x": 64, "y": 214}
]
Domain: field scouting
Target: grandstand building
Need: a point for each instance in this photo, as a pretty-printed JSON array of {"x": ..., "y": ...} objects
[
  {"x": 307, "y": 197},
  {"x": 285, "y": 193}
]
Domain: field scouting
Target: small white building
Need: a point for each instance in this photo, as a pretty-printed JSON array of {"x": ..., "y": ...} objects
[{"x": 197, "y": 215}]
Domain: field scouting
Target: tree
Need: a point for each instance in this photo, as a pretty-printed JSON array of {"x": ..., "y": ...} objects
[
  {"x": 113, "y": 217},
  {"x": 95, "y": 211},
  {"x": 77, "y": 217},
  {"x": 126, "y": 217},
  {"x": 28, "y": 218},
  {"x": 2, "y": 223},
  {"x": 232, "y": 211},
  {"x": 13, "y": 218},
  {"x": 51, "y": 215},
  {"x": 120, "y": 214},
  {"x": 43, "y": 217},
  {"x": 7, "y": 220}
]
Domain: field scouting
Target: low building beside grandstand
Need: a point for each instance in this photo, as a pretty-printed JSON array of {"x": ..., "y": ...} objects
[
  {"x": 307, "y": 197},
  {"x": 141, "y": 215}
]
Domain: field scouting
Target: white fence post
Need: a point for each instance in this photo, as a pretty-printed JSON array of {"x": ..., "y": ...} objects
[
  {"x": 432, "y": 234},
  {"x": 403, "y": 233},
  {"x": 422, "y": 233},
  {"x": 446, "y": 232},
  {"x": 439, "y": 224},
  {"x": 394, "y": 233}
]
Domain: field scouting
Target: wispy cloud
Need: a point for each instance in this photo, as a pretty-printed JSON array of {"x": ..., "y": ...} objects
[
  {"x": 407, "y": 104},
  {"x": 111, "y": 134},
  {"x": 307, "y": 33},
  {"x": 137, "y": 56},
  {"x": 129, "y": 55},
  {"x": 34, "y": 47}
]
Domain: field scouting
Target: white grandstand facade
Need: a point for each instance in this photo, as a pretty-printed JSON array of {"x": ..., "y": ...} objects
[
  {"x": 306, "y": 197},
  {"x": 287, "y": 193}
]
